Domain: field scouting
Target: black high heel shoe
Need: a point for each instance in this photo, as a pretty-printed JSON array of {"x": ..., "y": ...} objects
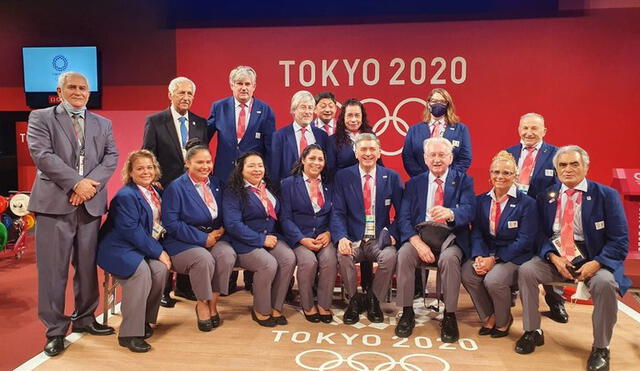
[
  {"x": 204, "y": 325},
  {"x": 502, "y": 333},
  {"x": 313, "y": 318},
  {"x": 269, "y": 322}
]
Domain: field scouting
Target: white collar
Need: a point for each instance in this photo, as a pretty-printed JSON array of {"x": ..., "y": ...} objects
[
  {"x": 432, "y": 177},
  {"x": 175, "y": 114},
  {"x": 582, "y": 186},
  {"x": 372, "y": 172},
  {"x": 512, "y": 192},
  {"x": 537, "y": 146}
]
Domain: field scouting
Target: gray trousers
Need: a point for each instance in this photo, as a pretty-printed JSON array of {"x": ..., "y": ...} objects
[
  {"x": 273, "y": 270},
  {"x": 386, "y": 259},
  {"x": 60, "y": 239},
  {"x": 324, "y": 263},
  {"x": 448, "y": 269},
  {"x": 602, "y": 286},
  {"x": 141, "y": 293},
  {"x": 208, "y": 270},
  {"x": 491, "y": 293}
]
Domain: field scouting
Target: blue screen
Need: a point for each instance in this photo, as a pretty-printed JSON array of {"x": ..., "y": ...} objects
[{"x": 43, "y": 65}]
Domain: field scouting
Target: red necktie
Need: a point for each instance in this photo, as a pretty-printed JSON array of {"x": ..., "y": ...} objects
[
  {"x": 242, "y": 122},
  {"x": 366, "y": 190},
  {"x": 316, "y": 194},
  {"x": 527, "y": 167},
  {"x": 566, "y": 229},
  {"x": 155, "y": 199},
  {"x": 208, "y": 196},
  {"x": 494, "y": 214},
  {"x": 435, "y": 133},
  {"x": 327, "y": 129},
  {"x": 261, "y": 191},
  {"x": 438, "y": 199},
  {"x": 303, "y": 139}
]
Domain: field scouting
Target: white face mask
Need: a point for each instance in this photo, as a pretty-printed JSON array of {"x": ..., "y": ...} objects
[{"x": 71, "y": 108}]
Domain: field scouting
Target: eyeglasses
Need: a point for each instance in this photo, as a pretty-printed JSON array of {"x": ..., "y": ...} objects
[{"x": 504, "y": 173}]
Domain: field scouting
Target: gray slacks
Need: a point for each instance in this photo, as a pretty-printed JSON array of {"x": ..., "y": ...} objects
[
  {"x": 324, "y": 263},
  {"x": 448, "y": 269},
  {"x": 386, "y": 259},
  {"x": 491, "y": 293},
  {"x": 602, "y": 286},
  {"x": 273, "y": 270},
  {"x": 60, "y": 239},
  {"x": 141, "y": 293}
]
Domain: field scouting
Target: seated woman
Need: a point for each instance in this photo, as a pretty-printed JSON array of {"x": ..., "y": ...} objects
[
  {"x": 306, "y": 207},
  {"x": 192, "y": 214},
  {"x": 502, "y": 238},
  {"x": 250, "y": 214},
  {"x": 129, "y": 249}
]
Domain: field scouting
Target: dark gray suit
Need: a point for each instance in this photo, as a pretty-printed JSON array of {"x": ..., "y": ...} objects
[{"x": 65, "y": 232}]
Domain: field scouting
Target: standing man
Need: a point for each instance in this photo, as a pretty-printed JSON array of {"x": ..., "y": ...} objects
[
  {"x": 69, "y": 197},
  {"x": 326, "y": 112},
  {"x": 289, "y": 142},
  {"x": 536, "y": 173},
  {"x": 361, "y": 226},
  {"x": 445, "y": 195},
  {"x": 166, "y": 134},
  {"x": 580, "y": 220}
]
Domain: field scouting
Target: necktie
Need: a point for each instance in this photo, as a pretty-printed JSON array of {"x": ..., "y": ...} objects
[
  {"x": 183, "y": 131},
  {"x": 566, "y": 230},
  {"x": 438, "y": 199},
  {"x": 261, "y": 191},
  {"x": 327, "y": 129},
  {"x": 155, "y": 199},
  {"x": 242, "y": 122},
  {"x": 527, "y": 167},
  {"x": 436, "y": 130},
  {"x": 303, "y": 139},
  {"x": 316, "y": 194},
  {"x": 78, "y": 129},
  {"x": 494, "y": 214},
  {"x": 208, "y": 196},
  {"x": 366, "y": 190}
]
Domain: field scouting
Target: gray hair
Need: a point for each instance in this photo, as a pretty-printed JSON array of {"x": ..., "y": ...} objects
[
  {"x": 431, "y": 141},
  {"x": 241, "y": 72},
  {"x": 301, "y": 96},
  {"x": 532, "y": 115},
  {"x": 584, "y": 156},
  {"x": 366, "y": 136},
  {"x": 173, "y": 85},
  {"x": 62, "y": 79}
]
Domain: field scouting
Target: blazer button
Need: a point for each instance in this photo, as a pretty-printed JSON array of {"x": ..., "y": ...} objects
[
  {"x": 266, "y": 219},
  {"x": 265, "y": 231}
]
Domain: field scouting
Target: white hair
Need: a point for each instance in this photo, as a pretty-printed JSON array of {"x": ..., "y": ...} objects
[
  {"x": 300, "y": 97},
  {"x": 571, "y": 148},
  {"x": 532, "y": 115},
  {"x": 241, "y": 72},
  {"x": 62, "y": 79},
  {"x": 173, "y": 85},
  {"x": 366, "y": 136},
  {"x": 431, "y": 141}
]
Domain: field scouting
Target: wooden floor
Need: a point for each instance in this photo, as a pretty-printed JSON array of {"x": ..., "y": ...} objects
[{"x": 240, "y": 344}]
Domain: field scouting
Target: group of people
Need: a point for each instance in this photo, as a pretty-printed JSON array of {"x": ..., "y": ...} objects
[{"x": 313, "y": 195}]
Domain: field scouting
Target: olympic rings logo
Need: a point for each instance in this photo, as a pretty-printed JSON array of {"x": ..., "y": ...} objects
[
  {"x": 354, "y": 364},
  {"x": 60, "y": 63}
]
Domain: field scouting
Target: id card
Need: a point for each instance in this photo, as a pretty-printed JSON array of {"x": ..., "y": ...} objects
[
  {"x": 370, "y": 226},
  {"x": 158, "y": 231},
  {"x": 81, "y": 164}
]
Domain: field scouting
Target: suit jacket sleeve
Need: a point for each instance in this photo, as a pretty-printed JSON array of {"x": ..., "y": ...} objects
[
  {"x": 411, "y": 165},
  {"x": 234, "y": 223},
  {"x": 172, "y": 207},
  {"x": 616, "y": 244},
  {"x": 275, "y": 157},
  {"x": 463, "y": 160},
  {"x": 465, "y": 211},
  {"x": 211, "y": 122},
  {"x": 338, "y": 220},
  {"x": 107, "y": 166},
  {"x": 149, "y": 140},
  {"x": 403, "y": 216},
  {"x": 127, "y": 221},
  {"x": 396, "y": 201}
]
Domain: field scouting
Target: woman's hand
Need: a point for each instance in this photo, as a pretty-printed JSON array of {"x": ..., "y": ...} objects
[
  {"x": 324, "y": 239},
  {"x": 212, "y": 238},
  {"x": 164, "y": 259},
  {"x": 270, "y": 241},
  {"x": 310, "y": 244}
]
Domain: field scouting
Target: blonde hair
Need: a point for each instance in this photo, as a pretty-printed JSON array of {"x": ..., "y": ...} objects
[
  {"x": 506, "y": 157},
  {"x": 133, "y": 156},
  {"x": 452, "y": 118}
]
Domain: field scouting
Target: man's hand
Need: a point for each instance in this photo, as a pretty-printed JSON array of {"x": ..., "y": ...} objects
[
  {"x": 483, "y": 265},
  {"x": 588, "y": 270},
  {"x": 212, "y": 238},
  {"x": 344, "y": 246},
  {"x": 270, "y": 241},
  {"x": 561, "y": 264},
  {"x": 424, "y": 251},
  {"x": 323, "y": 239},
  {"x": 86, "y": 188},
  {"x": 164, "y": 258},
  {"x": 75, "y": 199},
  {"x": 438, "y": 213},
  {"x": 310, "y": 244}
]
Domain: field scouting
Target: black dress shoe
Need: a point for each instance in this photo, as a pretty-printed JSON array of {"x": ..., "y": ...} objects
[
  {"x": 502, "y": 333},
  {"x": 352, "y": 313},
  {"x": 406, "y": 324},
  {"x": 187, "y": 295},
  {"x": 216, "y": 321},
  {"x": 598, "y": 359},
  {"x": 54, "y": 345},
  {"x": 95, "y": 329},
  {"x": 374, "y": 313},
  {"x": 558, "y": 313},
  {"x": 269, "y": 322},
  {"x": 529, "y": 341},
  {"x": 449, "y": 332},
  {"x": 313, "y": 318},
  {"x": 326, "y": 318},
  {"x": 148, "y": 331},
  {"x": 485, "y": 331},
  {"x": 204, "y": 325},
  {"x": 135, "y": 344},
  {"x": 280, "y": 320},
  {"x": 167, "y": 301}
]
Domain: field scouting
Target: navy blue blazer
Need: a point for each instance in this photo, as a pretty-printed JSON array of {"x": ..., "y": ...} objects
[
  {"x": 285, "y": 151},
  {"x": 338, "y": 159},
  {"x": 260, "y": 128},
  {"x": 544, "y": 173},
  {"x": 347, "y": 217},
  {"x": 413, "y": 150},
  {"x": 125, "y": 238},
  {"x": 298, "y": 219},
  {"x": 603, "y": 222},
  {"x": 458, "y": 196},
  {"x": 246, "y": 222},
  {"x": 516, "y": 232},
  {"x": 183, "y": 211}
]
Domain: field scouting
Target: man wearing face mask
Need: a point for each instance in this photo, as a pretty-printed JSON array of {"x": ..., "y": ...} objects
[
  {"x": 69, "y": 197},
  {"x": 325, "y": 112},
  {"x": 534, "y": 157}
]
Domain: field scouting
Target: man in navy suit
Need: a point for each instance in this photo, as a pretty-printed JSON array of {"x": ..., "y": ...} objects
[
  {"x": 69, "y": 198},
  {"x": 291, "y": 140},
  {"x": 361, "y": 227},
  {"x": 325, "y": 112},
  {"x": 536, "y": 173},
  {"x": 166, "y": 134},
  {"x": 243, "y": 123},
  {"x": 583, "y": 236},
  {"x": 445, "y": 195}
]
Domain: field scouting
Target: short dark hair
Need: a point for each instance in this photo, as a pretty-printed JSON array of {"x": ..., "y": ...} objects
[{"x": 325, "y": 95}]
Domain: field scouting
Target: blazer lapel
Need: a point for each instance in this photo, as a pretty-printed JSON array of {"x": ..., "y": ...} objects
[
  {"x": 256, "y": 111},
  {"x": 67, "y": 126},
  {"x": 511, "y": 205},
  {"x": 451, "y": 186},
  {"x": 422, "y": 189},
  {"x": 553, "y": 198},
  {"x": 195, "y": 196},
  {"x": 170, "y": 128},
  {"x": 356, "y": 189},
  {"x": 382, "y": 180},
  {"x": 543, "y": 154},
  {"x": 145, "y": 206},
  {"x": 586, "y": 210}
]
